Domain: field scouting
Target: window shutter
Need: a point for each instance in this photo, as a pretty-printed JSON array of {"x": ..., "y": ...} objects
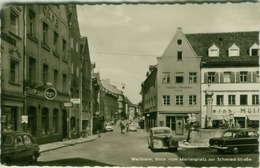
[
  {"x": 238, "y": 77},
  {"x": 221, "y": 77},
  {"x": 232, "y": 77},
  {"x": 254, "y": 76},
  {"x": 206, "y": 77},
  {"x": 248, "y": 76},
  {"x": 216, "y": 77}
]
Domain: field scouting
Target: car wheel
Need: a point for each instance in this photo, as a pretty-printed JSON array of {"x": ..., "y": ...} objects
[
  {"x": 235, "y": 150},
  {"x": 6, "y": 161},
  {"x": 34, "y": 158},
  {"x": 221, "y": 151}
]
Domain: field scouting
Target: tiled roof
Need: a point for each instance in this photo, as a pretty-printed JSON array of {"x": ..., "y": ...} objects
[
  {"x": 109, "y": 87},
  {"x": 244, "y": 40}
]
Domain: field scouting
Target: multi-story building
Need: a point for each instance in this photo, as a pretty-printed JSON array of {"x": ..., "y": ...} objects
[
  {"x": 178, "y": 84},
  {"x": 230, "y": 65},
  {"x": 172, "y": 88},
  {"x": 12, "y": 68}
]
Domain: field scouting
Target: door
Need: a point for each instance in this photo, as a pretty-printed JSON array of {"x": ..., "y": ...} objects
[
  {"x": 179, "y": 126},
  {"x": 64, "y": 124},
  {"x": 19, "y": 154}
]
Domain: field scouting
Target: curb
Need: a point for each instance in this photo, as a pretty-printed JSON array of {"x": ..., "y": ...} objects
[{"x": 71, "y": 144}]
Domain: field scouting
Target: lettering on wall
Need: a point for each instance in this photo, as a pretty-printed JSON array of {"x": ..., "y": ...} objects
[
  {"x": 179, "y": 87},
  {"x": 242, "y": 111}
]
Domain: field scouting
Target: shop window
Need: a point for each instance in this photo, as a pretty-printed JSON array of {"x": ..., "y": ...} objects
[
  {"x": 227, "y": 77},
  {"x": 56, "y": 78},
  {"x": 171, "y": 122},
  {"x": 32, "y": 70},
  {"x": 45, "y": 68},
  {"x": 31, "y": 23},
  {"x": 192, "y": 100},
  {"x": 243, "y": 99},
  {"x": 255, "y": 99},
  {"x": 166, "y": 77},
  {"x": 179, "y": 56},
  {"x": 45, "y": 33},
  {"x": 220, "y": 99},
  {"x": 14, "y": 23},
  {"x": 45, "y": 126},
  {"x": 192, "y": 77},
  {"x": 166, "y": 100},
  {"x": 179, "y": 77},
  {"x": 231, "y": 99},
  {"x": 179, "y": 100},
  {"x": 243, "y": 76},
  {"x": 14, "y": 65},
  {"x": 55, "y": 120}
]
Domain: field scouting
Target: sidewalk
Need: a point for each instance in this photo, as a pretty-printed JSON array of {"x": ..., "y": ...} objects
[
  {"x": 181, "y": 139},
  {"x": 65, "y": 143}
]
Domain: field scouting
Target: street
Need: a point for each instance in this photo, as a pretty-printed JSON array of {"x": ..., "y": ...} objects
[{"x": 130, "y": 149}]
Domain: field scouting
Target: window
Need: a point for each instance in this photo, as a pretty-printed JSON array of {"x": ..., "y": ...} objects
[
  {"x": 44, "y": 33},
  {"x": 220, "y": 100},
  {"x": 14, "y": 24},
  {"x": 257, "y": 76},
  {"x": 56, "y": 78},
  {"x": 32, "y": 70},
  {"x": 231, "y": 100},
  {"x": 253, "y": 51},
  {"x": 45, "y": 121},
  {"x": 243, "y": 99},
  {"x": 213, "y": 51},
  {"x": 27, "y": 140},
  {"x": 179, "y": 56},
  {"x": 233, "y": 50},
  {"x": 243, "y": 76},
  {"x": 31, "y": 23},
  {"x": 179, "y": 77},
  {"x": 192, "y": 77},
  {"x": 71, "y": 42},
  {"x": 55, "y": 41},
  {"x": 179, "y": 100},
  {"x": 166, "y": 77},
  {"x": 192, "y": 100},
  {"x": 77, "y": 47},
  {"x": 18, "y": 141},
  {"x": 64, "y": 45},
  {"x": 55, "y": 120},
  {"x": 211, "y": 77},
  {"x": 227, "y": 77},
  {"x": 255, "y": 99},
  {"x": 64, "y": 82},
  {"x": 72, "y": 68},
  {"x": 166, "y": 100},
  {"x": 45, "y": 68},
  {"x": 77, "y": 71},
  {"x": 179, "y": 41},
  {"x": 14, "y": 71}
]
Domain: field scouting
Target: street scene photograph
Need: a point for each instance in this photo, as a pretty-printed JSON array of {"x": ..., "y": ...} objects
[{"x": 130, "y": 83}]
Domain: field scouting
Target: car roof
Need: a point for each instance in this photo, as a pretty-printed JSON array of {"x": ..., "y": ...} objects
[
  {"x": 239, "y": 129},
  {"x": 14, "y": 133},
  {"x": 160, "y": 128}
]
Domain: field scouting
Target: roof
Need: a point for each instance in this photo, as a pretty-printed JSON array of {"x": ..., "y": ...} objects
[
  {"x": 126, "y": 100},
  {"x": 244, "y": 40},
  {"x": 109, "y": 87}
]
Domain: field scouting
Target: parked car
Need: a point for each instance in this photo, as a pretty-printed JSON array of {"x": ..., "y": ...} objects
[
  {"x": 162, "y": 138},
  {"x": 108, "y": 127},
  {"x": 234, "y": 140},
  {"x": 132, "y": 127},
  {"x": 18, "y": 147}
]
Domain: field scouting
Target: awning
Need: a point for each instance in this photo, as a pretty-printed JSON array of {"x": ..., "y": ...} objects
[{"x": 253, "y": 117}]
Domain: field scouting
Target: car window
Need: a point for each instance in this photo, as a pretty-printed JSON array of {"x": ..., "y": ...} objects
[
  {"x": 241, "y": 135},
  {"x": 228, "y": 134},
  {"x": 252, "y": 134},
  {"x": 161, "y": 131},
  {"x": 18, "y": 141},
  {"x": 27, "y": 140},
  {"x": 7, "y": 140}
]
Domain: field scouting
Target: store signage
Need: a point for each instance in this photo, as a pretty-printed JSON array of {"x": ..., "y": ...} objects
[
  {"x": 8, "y": 39},
  {"x": 179, "y": 87},
  {"x": 75, "y": 100},
  {"x": 68, "y": 104},
  {"x": 237, "y": 111},
  {"x": 50, "y": 93},
  {"x": 24, "y": 119}
]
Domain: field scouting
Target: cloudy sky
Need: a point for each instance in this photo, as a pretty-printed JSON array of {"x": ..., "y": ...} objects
[{"x": 125, "y": 39}]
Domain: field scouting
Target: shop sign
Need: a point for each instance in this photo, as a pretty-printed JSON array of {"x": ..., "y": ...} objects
[
  {"x": 241, "y": 110},
  {"x": 50, "y": 93},
  {"x": 68, "y": 104},
  {"x": 24, "y": 119},
  {"x": 75, "y": 100}
]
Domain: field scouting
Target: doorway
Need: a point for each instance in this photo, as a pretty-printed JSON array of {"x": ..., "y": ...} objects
[{"x": 179, "y": 126}]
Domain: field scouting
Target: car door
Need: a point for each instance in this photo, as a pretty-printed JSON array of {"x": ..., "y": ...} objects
[
  {"x": 30, "y": 149},
  {"x": 19, "y": 149}
]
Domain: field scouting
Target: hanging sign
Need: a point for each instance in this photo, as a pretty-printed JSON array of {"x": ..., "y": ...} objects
[
  {"x": 50, "y": 93},
  {"x": 24, "y": 119}
]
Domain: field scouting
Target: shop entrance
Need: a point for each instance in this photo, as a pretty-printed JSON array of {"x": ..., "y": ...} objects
[{"x": 170, "y": 122}]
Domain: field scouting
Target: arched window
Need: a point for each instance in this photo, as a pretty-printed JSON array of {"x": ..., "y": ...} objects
[{"x": 45, "y": 118}]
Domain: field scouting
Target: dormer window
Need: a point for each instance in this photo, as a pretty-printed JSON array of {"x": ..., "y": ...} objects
[
  {"x": 233, "y": 51},
  {"x": 253, "y": 51},
  {"x": 213, "y": 51}
]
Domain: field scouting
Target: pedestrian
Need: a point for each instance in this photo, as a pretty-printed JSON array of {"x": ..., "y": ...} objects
[
  {"x": 122, "y": 128},
  {"x": 127, "y": 127}
]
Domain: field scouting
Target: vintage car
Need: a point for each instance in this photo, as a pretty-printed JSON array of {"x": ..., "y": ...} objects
[
  {"x": 18, "y": 147},
  {"x": 132, "y": 127},
  {"x": 234, "y": 140},
  {"x": 162, "y": 138},
  {"x": 108, "y": 127}
]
